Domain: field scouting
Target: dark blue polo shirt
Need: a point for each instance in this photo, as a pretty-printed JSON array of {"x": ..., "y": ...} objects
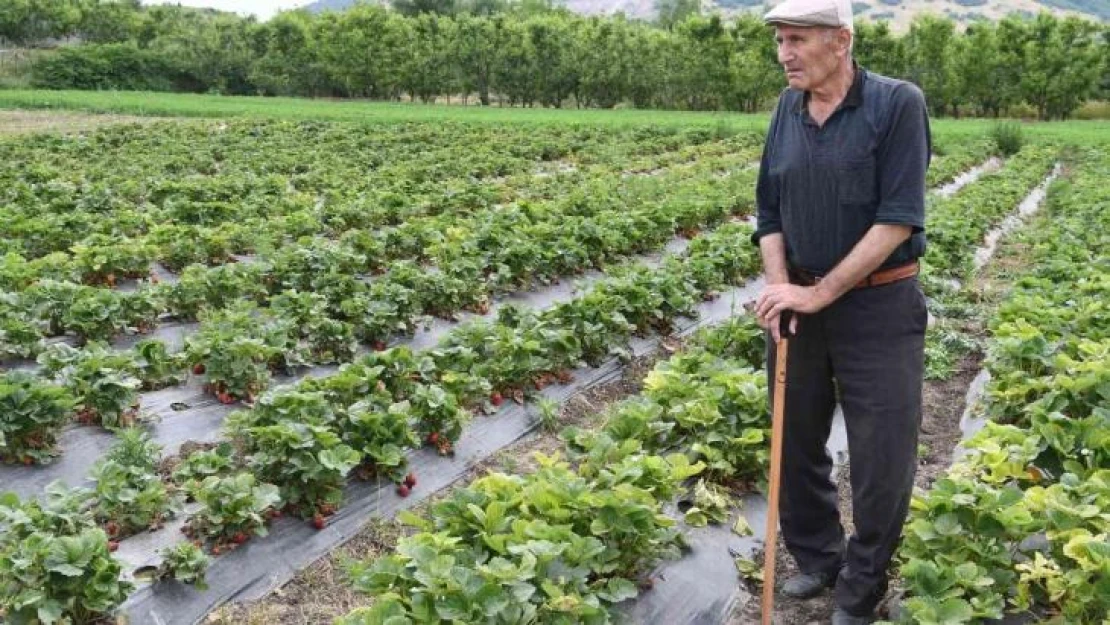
[{"x": 824, "y": 186}]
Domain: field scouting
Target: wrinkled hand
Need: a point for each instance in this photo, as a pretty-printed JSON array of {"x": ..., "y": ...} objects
[{"x": 777, "y": 298}]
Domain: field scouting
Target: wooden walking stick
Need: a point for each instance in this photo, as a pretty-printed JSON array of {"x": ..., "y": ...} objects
[{"x": 771, "y": 534}]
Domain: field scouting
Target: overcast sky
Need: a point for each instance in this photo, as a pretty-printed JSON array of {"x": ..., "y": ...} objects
[{"x": 264, "y": 9}]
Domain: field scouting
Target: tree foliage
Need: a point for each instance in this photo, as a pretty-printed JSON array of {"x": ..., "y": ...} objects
[{"x": 531, "y": 53}]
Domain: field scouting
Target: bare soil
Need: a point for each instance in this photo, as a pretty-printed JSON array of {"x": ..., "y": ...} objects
[{"x": 14, "y": 122}]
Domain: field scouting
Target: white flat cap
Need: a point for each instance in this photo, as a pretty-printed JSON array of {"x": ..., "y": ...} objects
[{"x": 827, "y": 13}]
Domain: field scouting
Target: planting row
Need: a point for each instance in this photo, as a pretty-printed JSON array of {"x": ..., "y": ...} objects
[
  {"x": 567, "y": 542},
  {"x": 956, "y": 157},
  {"x": 235, "y": 179},
  {"x": 490, "y": 252},
  {"x": 239, "y": 345},
  {"x": 959, "y": 223},
  {"x": 1020, "y": 523},
  {"x": 306, "y": 438}
]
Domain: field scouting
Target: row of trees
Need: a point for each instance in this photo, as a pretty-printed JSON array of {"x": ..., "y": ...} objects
[{"x": 533, "y": 55}]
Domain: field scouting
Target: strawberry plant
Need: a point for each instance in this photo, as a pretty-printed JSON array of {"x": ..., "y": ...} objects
[
  {"x": 103, "y": 382},
  {"x": 130, "y": 497},
  {"x": 158, "y": 368},
  {"x": 550, "y": 547},
  {"x": 356, "y": 381},
  {"x": 651, "y": 300},
  {"x": 381, "y": 435},
  {"x": 400, "y": 370},
  {"x": 20, "y": 335},
  {"x": 230, "y": 506},
  {"x": 201, "y": 287},
  {"x": 141, "y": 309},
  {"x": 596, "y": 321},
  {"x": 1038, "y": 469},
  {"x": 50, "y": 301},
  {"x": 32, "y": 413},
  {"x": 94, "y": 315},
  {"x": 180, "y": 245},
  {"x": 237, "y": 347},
  {"x": 329, "y": 340},
  {"x": 104, "y": 259},
  {"x": 285, "y": 405},
  {"x": 384, "y": 310},
  {"x": 309, "y": 463},
  {"x": 202, "y": 464},
  {"x": 436, "y": 414},
  {"x": 54, "y": 565},
  {"x": 184, "y": 562}
]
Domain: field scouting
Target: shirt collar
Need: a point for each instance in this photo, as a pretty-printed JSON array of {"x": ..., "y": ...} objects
[{"x": 852, "y": 99}]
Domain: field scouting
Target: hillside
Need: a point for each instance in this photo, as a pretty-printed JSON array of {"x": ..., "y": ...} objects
[{"x": 900, "y": 12}]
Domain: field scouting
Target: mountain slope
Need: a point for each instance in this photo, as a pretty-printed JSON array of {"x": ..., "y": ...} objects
[{"x": 900, "y": 12}]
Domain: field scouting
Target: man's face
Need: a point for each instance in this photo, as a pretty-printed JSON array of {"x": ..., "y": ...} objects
[{"x": 809, "y": 55}]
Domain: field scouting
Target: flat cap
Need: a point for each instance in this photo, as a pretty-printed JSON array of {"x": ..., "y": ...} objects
[{"x": 826, "y": 13}]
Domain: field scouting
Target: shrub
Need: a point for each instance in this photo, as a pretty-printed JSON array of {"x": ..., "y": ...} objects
[
  {"x": 109, "y": 66},
  {"x": 1008, "y": 138}
]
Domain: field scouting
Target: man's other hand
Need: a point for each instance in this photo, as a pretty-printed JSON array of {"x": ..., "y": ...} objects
[{"x": 777, "y": 298}]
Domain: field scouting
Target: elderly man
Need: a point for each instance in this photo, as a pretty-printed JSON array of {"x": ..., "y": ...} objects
[{"x": 841, "y": 201}]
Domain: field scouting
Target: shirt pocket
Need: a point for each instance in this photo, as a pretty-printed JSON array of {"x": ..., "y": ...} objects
[{"x": 855, "y": 181}]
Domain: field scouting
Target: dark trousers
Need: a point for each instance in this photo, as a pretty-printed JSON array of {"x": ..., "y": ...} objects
[{"x": 871, "y": 342}]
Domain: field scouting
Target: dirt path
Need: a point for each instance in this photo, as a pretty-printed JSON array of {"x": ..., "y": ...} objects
[{"x": 14, "y": 122}]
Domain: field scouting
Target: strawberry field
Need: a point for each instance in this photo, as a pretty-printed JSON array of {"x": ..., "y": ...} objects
[{"x": 227, "y": 346}]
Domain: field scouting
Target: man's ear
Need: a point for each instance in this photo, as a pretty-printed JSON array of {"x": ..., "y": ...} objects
[{"x": 844, "y": 41}]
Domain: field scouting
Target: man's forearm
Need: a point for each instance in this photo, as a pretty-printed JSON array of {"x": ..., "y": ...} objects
[
  {"x": 773, "y": 249},
  {"x": 875, "y": 247}
]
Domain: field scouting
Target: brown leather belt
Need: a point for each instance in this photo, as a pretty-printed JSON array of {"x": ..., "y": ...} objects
[{"x": 879, "y": 278}]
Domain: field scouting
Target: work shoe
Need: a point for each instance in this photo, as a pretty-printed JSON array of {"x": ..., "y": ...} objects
[
  {"x": 842, "y": 617},
  {"x": 808, "y": 585}
]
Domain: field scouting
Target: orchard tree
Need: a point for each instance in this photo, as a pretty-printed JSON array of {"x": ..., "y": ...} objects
[
  {"x": 110, "y": 21},
  {"x": 475, "y": 52},
  {"x": 289, "y": 56},
  {"x": 930, "y": 61},
  {"x": 755, "y": 76},
  {"x": 877, "y": 49},
  {"x": 32, "y": 22},
  {"x": 426, "y": 59},
  {"x": 672, "y": 12},
  {"x": 1062, "y": 65},
  {"x": 363, "y": 51}
]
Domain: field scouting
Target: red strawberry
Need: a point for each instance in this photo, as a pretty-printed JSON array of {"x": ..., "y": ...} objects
[
  {"x": 28, "y": 460},
  {"x": 496, "y": 399},
  {"x": 216, "y": 550},
  {"x": 402, "y": 490},
  {"x": 410, "y": 480},
  {"x": 198, "y": 368},
  {"x": 318, "y": 521},
  {"x": 225, "y": 398},
  {"x": 240, "y": 538},
  {"x": 379, "y": 346},
  {"x": 113, "y": 545},
  {"x": 433, "y": 438},
  {"x": 112, "y": 528}
]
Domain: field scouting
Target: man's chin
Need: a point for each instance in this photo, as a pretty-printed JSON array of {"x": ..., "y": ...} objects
[{"x": 797, "y": 82}]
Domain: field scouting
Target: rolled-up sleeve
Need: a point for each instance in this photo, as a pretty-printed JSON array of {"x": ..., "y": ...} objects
[
  {"x": 768, "y": 216},
  {"x": 903, "y": 158}
]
